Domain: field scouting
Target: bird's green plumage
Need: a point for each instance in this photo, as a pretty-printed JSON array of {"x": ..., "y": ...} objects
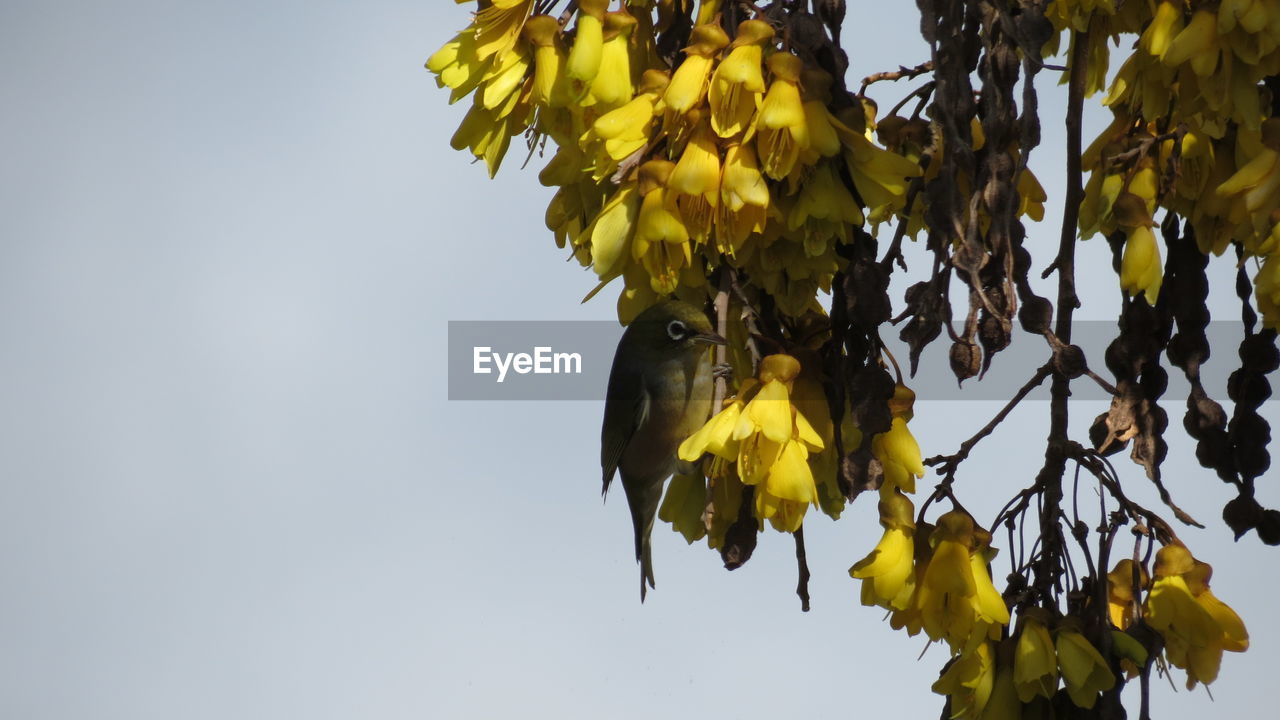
[{"x": 659, "y": 393}]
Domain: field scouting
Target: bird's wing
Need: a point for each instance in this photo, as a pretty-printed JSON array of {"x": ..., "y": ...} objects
[{"x": 623, "y": 413}]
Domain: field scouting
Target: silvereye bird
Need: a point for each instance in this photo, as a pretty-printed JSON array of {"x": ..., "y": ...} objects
[{"x": 660, "y": 392}]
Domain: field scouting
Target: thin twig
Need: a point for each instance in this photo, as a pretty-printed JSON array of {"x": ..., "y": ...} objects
[
  {"x": 802, "y": 565},
  {"x": 947, "y": 463},
  {"x": 902, "y": 72},
  {"x": 722, "y": 329}
]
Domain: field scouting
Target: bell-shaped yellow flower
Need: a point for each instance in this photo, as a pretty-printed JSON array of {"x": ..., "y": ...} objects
[
  {"x": 774, "y": 445},
  {"x": 946, "y": 596},
  {"x": 684, "y": 506},
  {"x": 1035, "y": 663},
  {"x": 897, "y": 450},
  {"x": 1140, "y": 268},
  {"x": 487, "y": 133},
  {"x": 610, "y": 232},
  {"x": 1122, "y": 604},
  {"x": 696, "y": 181},
  {"x": 588, "y": 47},
  {"x": 550, "y": 85},
  {"x": 744, "y": 199},
  {"x": 881, "y": 177},
  {"x": 968, "y": 682},
  {"x": 457, "y": 66},
  {"x": 909, "y": 618},
  {"x": 1193, "y": 639},
  {"x": 716, "y": 436},
  {"x": 504, "y": 79},
  {"x": 1084, "y": 671},
  {"x": 498, "y": 26},
  {"x": 661, "y": 242},
  {"x": 612, "y": 84},
  {"x": 1031, "y": 196},
  {"x": 738, "y": 82},
  {"x": 824, "y": 141},
  {"x": 618, "y": 133},
  {"x": 888, "y": 572},
  {"x": 1003, "y": 703},
  {"x": 991, "y": 613},
  {"x": 781, "y": 124},
  {"x": 689, "y": 81},
  {"x": 824, "y": 210},
  {"x": 1235, "y": 638}
]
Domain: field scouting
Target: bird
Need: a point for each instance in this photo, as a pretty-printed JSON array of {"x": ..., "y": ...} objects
[{"x": 660, "y": 391}]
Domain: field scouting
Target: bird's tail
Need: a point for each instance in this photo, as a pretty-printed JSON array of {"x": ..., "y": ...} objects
[{"x": 643, "y": 501}]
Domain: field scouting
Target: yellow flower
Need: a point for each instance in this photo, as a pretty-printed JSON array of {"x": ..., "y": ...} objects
[
  {"x": 610, "y": 232},
  {"x": 457, "y": 66},
  {"x": 550, "y": 85},
  {"x": 689, "y": 81},
  {"x": 498, "y": 26},
  {"x": 1122, "y": 605},
  {"x": 1035, "y": 664},
  {"x": 946, "y": 597},
  {"x": 1193, "y": 638},
  {"x": 1140, "y": 269},
  {"x": 696, "y": 181},
  {"x": 738, "y": 82},
  {"x": 968, "y": 682},
  {"x": 684, "y": 506},
  {"x": 1235, "y": 638},
  {"x": 881, "y": 177},
  {"x": 588, "y": 47},
  {"x": 774, "y": 446},
  {"x": 504, "y": 79},
  {"x": 781, "y": 123},
  {"x": 1031, "y": 196},
  {"x": 823, "y": 139},
  {"x": 661, "y": 242},
  {"x": 910, "y": 618},
  {"x": 1003, "y": 703},
  {"x": 990, "y": 611},
  {"x": 824, "y": 210},
  {"x": 899, "y": 454},
  {"x": 618, "y": 133},
  {"x": 716, "y": 436},
  {"x": 488, "y": 132},
  {"x": 744, "y": 200},
  {"x": 611, "y": 85},
  {"x": 888, "y": 572},
  {"x": 1084, "y": 672}
]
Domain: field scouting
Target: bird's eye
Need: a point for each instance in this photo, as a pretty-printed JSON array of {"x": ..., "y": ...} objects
[{"x": 676, "y": 330}]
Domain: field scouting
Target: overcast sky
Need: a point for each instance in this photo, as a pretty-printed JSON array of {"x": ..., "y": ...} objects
[{"x": 232, "y": 485}]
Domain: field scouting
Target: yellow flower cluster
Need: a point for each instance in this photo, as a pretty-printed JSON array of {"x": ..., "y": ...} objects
[
  {"x": 933, "y": 578},
  {"x": 769, "y": 441},
  {"x": 1196, "y": 626},
  {"x": 1190, "y": 92},
  {"x": 998, "y": 679},
  {"x": 663, "y": 173}
]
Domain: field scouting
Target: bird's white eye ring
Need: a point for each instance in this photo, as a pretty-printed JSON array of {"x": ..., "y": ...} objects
[{"x": 676, "y": 330}]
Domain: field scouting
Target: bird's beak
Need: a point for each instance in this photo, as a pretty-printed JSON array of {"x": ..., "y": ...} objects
[{"x": 709, "y": 338}]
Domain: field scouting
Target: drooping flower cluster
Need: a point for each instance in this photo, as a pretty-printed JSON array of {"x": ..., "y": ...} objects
[
  {"x": 1196, "y": 626},
  {"x": 732, "y": 155},
  {"x": 1192, "y": 133},
  {"x": 768, "y": 441}
]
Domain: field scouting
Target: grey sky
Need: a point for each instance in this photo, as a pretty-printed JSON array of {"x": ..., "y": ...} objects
[{"x": 231, "y": 485}]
